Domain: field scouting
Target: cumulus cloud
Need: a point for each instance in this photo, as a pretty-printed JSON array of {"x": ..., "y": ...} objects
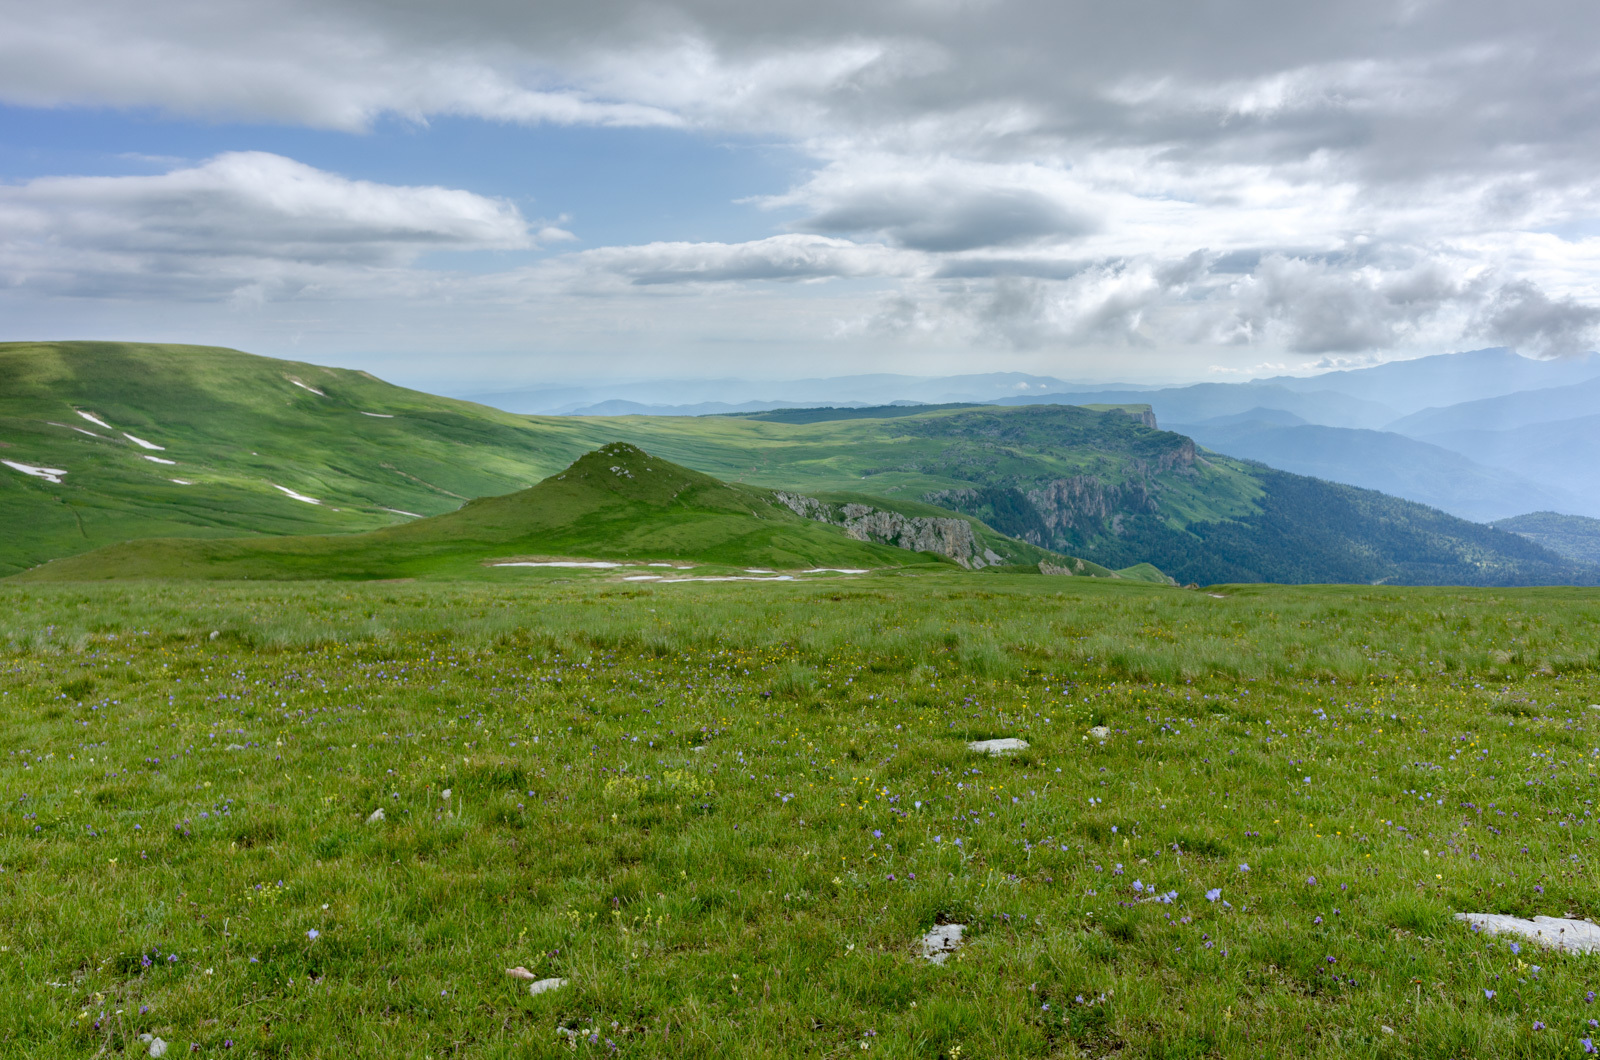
[
  {"x": 1324, "y": 179},
  {"x": 198, "y": 230},
  {"x": 785, "y": 257}
]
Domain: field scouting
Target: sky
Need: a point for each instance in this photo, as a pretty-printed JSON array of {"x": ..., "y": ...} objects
[{"x": 490, "y": 193}]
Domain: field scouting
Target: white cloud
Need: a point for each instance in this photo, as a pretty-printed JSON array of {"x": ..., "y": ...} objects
[{"x": 239, "y": 223}]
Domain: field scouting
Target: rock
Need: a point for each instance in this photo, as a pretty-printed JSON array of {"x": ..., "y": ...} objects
[
  {"x": 940, "y": 941},
  {"x": 1385, "y": 1028},
  {"x": 1100, "y": 732},
  {"x": 1572, "y": 936},
  {"x": 519, "y": 972},
  {"x": 158, "y": 1048},
  {"x": 215, "y": 635},
  {"x": 544, "y": 985},
  {"x": 236, "y": 747},
  {"x": 998, "y": 747},
  {"x": 377, "y": 816}
]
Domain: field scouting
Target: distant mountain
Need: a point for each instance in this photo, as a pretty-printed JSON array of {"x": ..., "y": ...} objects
[
  {"x": 1446, "y": 379},
  {"x": 1572, "y": 536},
  {"x": 1208, "y": 401},
  {"x": 105, "y": 442},
  {"x": 1506, "y": 412},
  {"x": 840, "y": 391},
  {"x": 1380, "y": 460},
  {"x": 1564, "y": 454}
]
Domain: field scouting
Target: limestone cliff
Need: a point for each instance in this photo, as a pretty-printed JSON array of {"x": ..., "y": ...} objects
[{"x": 948, "y": 537}]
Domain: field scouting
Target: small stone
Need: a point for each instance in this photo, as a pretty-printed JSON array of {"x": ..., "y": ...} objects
[
  {"x": 158, "y": 1048},
  {"x": 1100, "y": 732},
  {"x": 214, "y": 636},
  {"x": 377, "y": 816},
  {"x": 1573, "y": 936},
  {"x": 998, "y": 747},
  {"x": 146, "y": 1037},
  {"x": 1387, "y": 1029},
  {"x": 940, "y": 941},
  {"x": 236, "y": 747},
  {"x": 519, "y": 972},
  {"x": 544, "y": 985}
]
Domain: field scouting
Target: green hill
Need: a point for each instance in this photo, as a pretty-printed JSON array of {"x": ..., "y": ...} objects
[
  {"x": 245, "y": 431},
  {"x": 1575, "y": 536},
  {"x": 617, "y": 504}
]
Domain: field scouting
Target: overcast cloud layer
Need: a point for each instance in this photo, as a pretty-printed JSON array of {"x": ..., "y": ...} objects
[{"x": 1088, "y": 188}]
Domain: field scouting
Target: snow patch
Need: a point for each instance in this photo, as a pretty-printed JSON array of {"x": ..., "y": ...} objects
[
  {"x": 96, "y": 420},
  {"x": 397, "y": 511},
  {"x": 642, "y": 578},
  {"x": 729, "y": 578},
  {"x": 142, "y": 444},
  {"x": 313, "y": 389},
  {"x": 835, "y": 570},
  {"x": 80, "y": 430},
  {"x": 159, "y": 460},
  {"x": 598, "y": 564},
  {"x": 49, "y": 474},
  {"x": 379, "y": 415},
  {"x": 183, "y": 482},
  {"x": 296, "y": 496}
]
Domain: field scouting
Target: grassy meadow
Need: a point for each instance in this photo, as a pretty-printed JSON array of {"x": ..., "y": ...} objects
[{"x": 726, "y": 812}]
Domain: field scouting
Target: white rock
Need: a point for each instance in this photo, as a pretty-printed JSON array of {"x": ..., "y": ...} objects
[
  {"x": 1100, "y": 732},
  {"x": 215, "y": 634},
  {"x": 940, "y": 941},
  {"x": 236, "y": 747},
  {"x": 998, "y": 747},
  {"x": 377, "y": 816},
  {"x": 544, "y": 985},
  {"x": 158, "y": 1048},
  {"x": 1573, "y": 936}
]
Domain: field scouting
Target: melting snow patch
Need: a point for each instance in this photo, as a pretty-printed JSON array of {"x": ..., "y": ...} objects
[
  {"x": 296, "y": 496},
  {"x": 730, "y": 578},
  {"x": 758, "y": 570},
  {"x": 397, "y": 511},
  {"x": 940, "y": 942},
  {"x": 642, "y": 578},
  {"x": 80, "y": 430},
  {"x": 313, "y": 389},
  {"x": 998, "y": 747},
  {"x": 96, "y": 420},
  {"x": 598, "y": 564},
  {"x": 379, "y": 415},
  {"x": 835, "y": 570},
  {"x": 142, "y": 444},
  {"x": 183, "y": 482},
  {"x": 1574, "y": 936},
  {"x": 159, "y": 460},
  {"x": 49, "y": 474}
]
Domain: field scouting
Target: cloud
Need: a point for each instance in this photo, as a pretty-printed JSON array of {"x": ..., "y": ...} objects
[
  {"x": 784, "y": 257},
  {"x": 199, "y": 231},
  {"x": 943, "y": 205},
  {"x": 1523, "y": 316}
]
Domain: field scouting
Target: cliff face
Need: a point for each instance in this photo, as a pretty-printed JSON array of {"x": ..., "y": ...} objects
[{"x": 948, "y": 537}]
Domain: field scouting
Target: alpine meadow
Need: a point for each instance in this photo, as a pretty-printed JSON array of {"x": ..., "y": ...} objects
[{"x": 343, "y": 720}]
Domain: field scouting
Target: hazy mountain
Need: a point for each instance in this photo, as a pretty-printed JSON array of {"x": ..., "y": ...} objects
[
  {"x": 1384, "y": 461},
  {"x": 1208, "y": 401},
  {"x": 1505, "y": 412},
  {"x": 1572, "y": 536},
  {"x": 1447, "y": 378},
  {"x": 1564, "y": 454},
  {"x": 842, "y": 391}
]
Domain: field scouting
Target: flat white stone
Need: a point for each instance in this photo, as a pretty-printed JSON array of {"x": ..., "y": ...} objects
[
  {"x": 1100, "y": 732},
  {"x": 1573, "y": 936},
  {"x": 158, "y": 1048},
  {"x": 940, "y": 941},
  {"x": 377, "y": 816},
  {"x": 998, "y": 747},
  {"x": 545, "y": 985}
]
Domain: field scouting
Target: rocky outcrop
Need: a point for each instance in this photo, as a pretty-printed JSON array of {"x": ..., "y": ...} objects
[
  {"x": 948, "y": 537},
  {"x": 1085, "y": 504},
  {"x": 1075, "y": 568}
]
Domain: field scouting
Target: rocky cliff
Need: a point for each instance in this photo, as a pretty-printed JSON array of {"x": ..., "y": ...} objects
[{"x": 948, "y": 537}]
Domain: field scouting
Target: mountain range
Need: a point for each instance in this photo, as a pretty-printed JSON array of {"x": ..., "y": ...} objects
[{"x": 110, "y": 442}]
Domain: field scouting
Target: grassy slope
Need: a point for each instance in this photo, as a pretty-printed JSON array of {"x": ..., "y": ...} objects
[
  {"x": 236, "y": 424},
  {"x": 157, "y": 784},
  {"x": 617, "y": 503}
]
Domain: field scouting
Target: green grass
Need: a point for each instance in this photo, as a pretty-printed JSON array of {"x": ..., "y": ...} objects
[{"x": 174, "y": 751}]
